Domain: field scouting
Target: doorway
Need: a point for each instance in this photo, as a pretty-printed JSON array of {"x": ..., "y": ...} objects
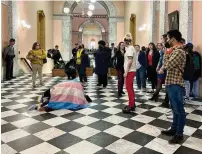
[{"x": 41, "y": 28}]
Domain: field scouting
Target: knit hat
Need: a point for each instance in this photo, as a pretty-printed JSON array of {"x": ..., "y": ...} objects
[
  {"x": 102, "y": 42},
  {"x": 189, "y": 45}
]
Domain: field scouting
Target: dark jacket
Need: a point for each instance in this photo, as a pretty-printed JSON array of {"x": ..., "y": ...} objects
[
  {"x": 74, "y": 52},
  {"x": 155, "y": 59},
  {"x": 197, "y": 65},
  {"x": 101, "y": 61},
  {"x": 142, "y": 58},
  {"x": 119, "y": 61}
]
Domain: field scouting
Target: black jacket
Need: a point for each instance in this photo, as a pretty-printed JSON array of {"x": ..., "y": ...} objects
[
  {"x": 119, "y": 59},
  {"x": 197, "y": 65}
]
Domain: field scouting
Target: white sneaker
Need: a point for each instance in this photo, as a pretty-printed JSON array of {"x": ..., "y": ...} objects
[
  {"x": 170, "y": 117},
  {"x": 169, "y": 113}
]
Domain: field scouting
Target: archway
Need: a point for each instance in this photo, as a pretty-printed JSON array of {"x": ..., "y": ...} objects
[
  {"x": 95, "y": 23},
  {"x": 67, "y": 24}
]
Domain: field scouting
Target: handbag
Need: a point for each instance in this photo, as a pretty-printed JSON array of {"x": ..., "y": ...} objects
[{"x": 44, "y": 60}]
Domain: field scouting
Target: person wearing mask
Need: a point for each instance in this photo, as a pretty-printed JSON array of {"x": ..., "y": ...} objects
[
  {"x": 140, "y": 69},
  {"x": 9, "y": 55},
  {"x": 129, "y": 72},
  {"x": 119, "y": 65},
  {"x": 175, "y": 84},
  {"x": 82, "y": 63},
  {"x": 36, "y": 57},
  {"x": 160, "y": 77},
  {"x": 74, "y": 51},
  {"x": 101, "y": 64},
  {"x": 197, "y": 73},
  {"x": 152, "y": 57}
]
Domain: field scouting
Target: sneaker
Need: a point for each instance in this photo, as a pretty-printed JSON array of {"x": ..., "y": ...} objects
[
  {"x": 128, "y": 109},
  {"x": 170, "y": 117},
  {"x": 168, "y": 132},
  {"x": 176, "y": 139},
  {"x": 32, "y": 107},
  {"x": 169, "y": 113}
]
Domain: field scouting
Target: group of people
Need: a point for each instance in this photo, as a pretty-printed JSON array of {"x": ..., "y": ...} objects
[{"x": 171, "y": 62}]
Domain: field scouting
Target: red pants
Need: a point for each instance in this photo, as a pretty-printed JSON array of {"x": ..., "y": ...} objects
[{"x": 129, "y": 87}]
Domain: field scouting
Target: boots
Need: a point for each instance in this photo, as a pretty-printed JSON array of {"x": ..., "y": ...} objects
[
  {"x": 166, "y": 101},
  {"x": 154, "y": 97}
]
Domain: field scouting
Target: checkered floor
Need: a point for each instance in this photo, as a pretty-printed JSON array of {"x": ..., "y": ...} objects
[{"x": 100, "y": 129}]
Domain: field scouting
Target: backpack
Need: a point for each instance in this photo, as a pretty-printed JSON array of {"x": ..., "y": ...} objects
[{"x": 189, "y": 68}]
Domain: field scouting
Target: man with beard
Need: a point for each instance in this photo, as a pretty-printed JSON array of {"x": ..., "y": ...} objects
[
  {"x": 175, "y": 85},
  {"x": 101, "y": 64}
]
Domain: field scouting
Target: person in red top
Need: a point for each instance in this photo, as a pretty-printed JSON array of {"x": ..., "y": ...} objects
[{"x": 152, "y": 62}]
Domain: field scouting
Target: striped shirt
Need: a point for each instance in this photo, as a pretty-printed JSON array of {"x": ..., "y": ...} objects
[{"x": 174, "y": 65}]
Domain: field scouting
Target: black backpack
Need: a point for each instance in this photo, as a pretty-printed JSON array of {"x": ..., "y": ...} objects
[{"x": 189, "y": 68}]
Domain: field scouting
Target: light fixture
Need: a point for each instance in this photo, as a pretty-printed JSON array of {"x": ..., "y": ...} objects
[
  {"x": 143, "y": 27},
  {"x": 78, "y": 1},
  {"x": 89, "y": 13},
  {"x": 24, "y": 24},
  {"x": 92, "y": 1},
  {"x": 66, "y": 10},
  {"x": 91, "y": 7}
]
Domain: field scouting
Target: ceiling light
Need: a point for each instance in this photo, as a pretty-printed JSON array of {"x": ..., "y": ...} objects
[
  {"x": 89, "y": 13},
  {"x": 92, "y": 1},
  {"x": 91, "y": 7},
  {"x": 66, "y": 10}
]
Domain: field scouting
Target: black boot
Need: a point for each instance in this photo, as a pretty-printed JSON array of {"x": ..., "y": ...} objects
[
  {"x": 176, "y": 139},
  {"x": 168, "y": 132},
  {"x": 122, "y": 93},
  {"x": 156, "y": 97},
  {"x": 166, "y": 102},
  {"x": 119, "y": 94},
  {"x": 153, "y": 97}
]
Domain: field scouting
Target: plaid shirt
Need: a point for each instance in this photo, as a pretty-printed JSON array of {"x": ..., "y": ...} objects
[{"x": 174, "y": 65}]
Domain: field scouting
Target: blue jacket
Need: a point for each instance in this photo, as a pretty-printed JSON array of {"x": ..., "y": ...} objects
[{"x": 142, "y": 58}]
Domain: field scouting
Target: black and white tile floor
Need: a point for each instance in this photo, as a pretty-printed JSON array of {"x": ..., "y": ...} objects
[{"x": 100, "y": 129}]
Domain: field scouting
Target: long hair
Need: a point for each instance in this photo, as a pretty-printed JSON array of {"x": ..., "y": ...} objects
[
  {"x": 154, "y": 47},
  {"x": 119, "y": 47},
  {"x": 34, "y": 46}
]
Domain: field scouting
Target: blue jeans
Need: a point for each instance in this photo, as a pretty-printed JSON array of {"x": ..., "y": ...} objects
[
  {"x": 175, "y": 94},
  {"x": 141, "y": 77},
  {"x": 187, "y": 88},
  {"x": 195, "y": 88}
]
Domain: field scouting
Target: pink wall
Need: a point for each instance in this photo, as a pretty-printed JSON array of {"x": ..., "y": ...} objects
[
  {"x": 197, "y": 30},
  {"x": 173, "y": 6}
]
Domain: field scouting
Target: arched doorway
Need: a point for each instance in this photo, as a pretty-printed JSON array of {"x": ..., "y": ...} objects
[
  {"x": 67, "y": 24},
  {"x": 92, "y": 28}
]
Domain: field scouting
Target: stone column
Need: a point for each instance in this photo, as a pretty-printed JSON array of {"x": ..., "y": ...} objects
[
  {"x": 163, "y": 17},
  {"x": 80, "y": 37},
  {"x": 67, "y": 37},
  {"x": 186, "y": 19},
  {"x": 112, "y": 30},
  {"x": 12, "y": 32},
  {"x": 152, "y": 21}
]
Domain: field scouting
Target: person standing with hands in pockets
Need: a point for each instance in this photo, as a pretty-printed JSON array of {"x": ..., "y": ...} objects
[
  {"x": 130, "y": 70},
  {"x": 36, "y": 57}
]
